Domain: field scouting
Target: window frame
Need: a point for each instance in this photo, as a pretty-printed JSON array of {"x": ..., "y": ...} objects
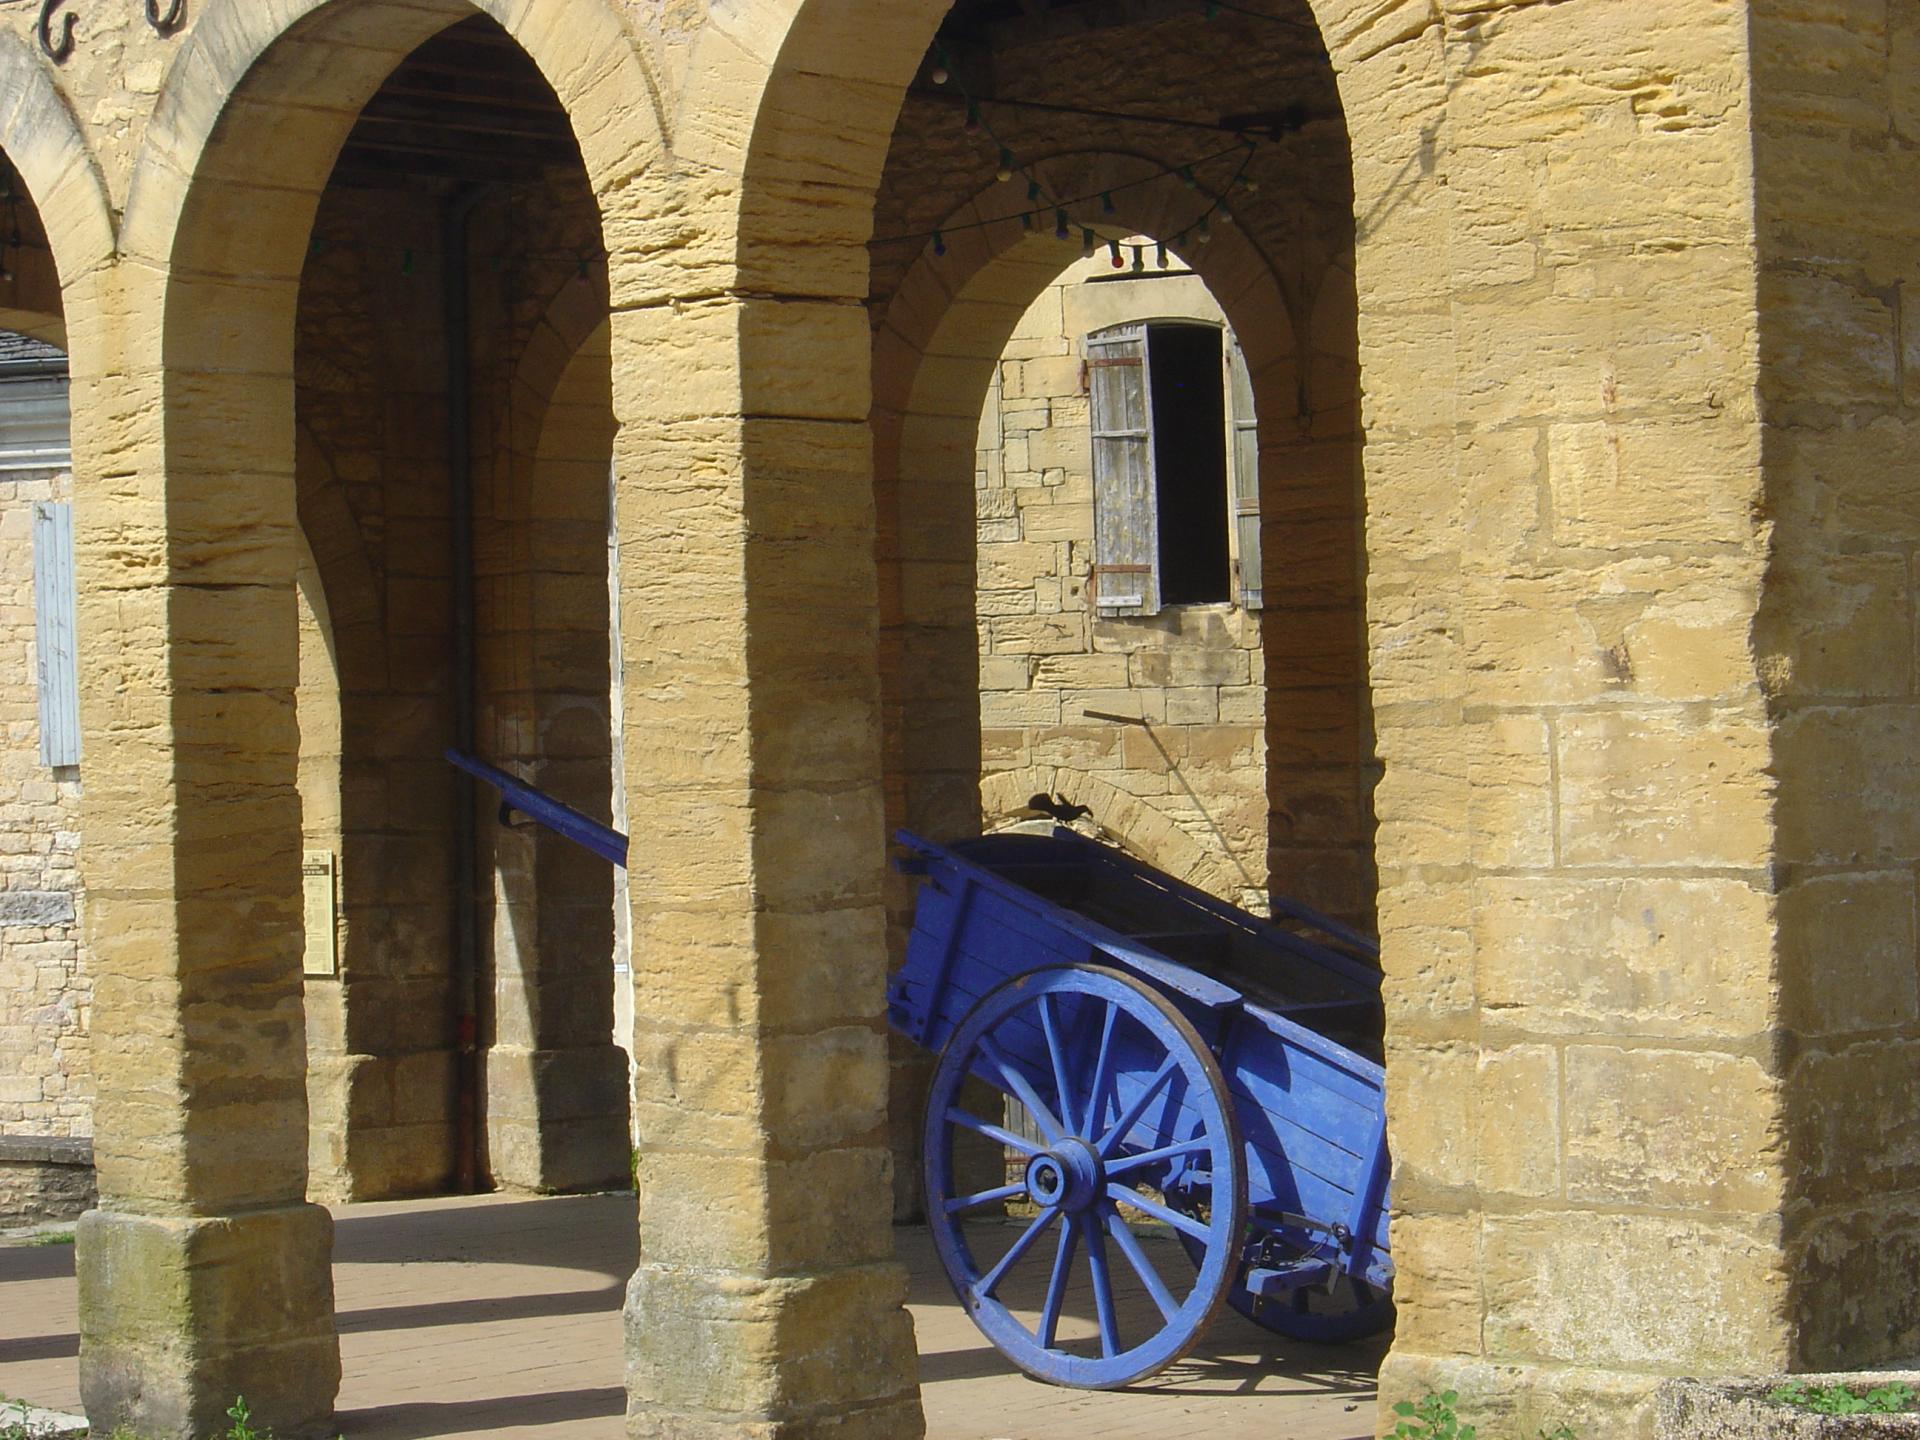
[{"x": 1126, "y": 520}]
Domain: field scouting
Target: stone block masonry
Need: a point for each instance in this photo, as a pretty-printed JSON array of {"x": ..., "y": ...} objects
[
  {"x": 44, "y": 1179},
  {"x": 46, "y": 992},
  {"x": 1594, "y": 684}
]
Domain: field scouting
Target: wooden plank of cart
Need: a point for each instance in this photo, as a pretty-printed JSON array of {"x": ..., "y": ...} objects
[{"x": 1186, "y": 1067}]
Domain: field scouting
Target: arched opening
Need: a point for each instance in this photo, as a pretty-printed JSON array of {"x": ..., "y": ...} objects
[
  {"x": 959, "y": 262},
  {"x": 1215, "y": 716},
  {"x": 46, "y": 1113},
  {"x": 388, "y": 249},
  {"x": 456, "y": 240},
  {"x": 1154, "y": 681},
  {"x": 30, "y": 302},
  {"x": 1275, "y": 191}
]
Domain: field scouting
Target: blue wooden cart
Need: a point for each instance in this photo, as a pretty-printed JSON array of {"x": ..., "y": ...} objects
[
  {"x": 1184, "y": 1065},
  {"x": 1177, "y": 1063}
]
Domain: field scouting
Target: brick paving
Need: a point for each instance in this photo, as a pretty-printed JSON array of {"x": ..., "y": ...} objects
[{"x": 502, "y": 1317}]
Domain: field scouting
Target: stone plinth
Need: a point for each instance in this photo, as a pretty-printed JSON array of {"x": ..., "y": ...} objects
[{"x": 180, "y": 1316}]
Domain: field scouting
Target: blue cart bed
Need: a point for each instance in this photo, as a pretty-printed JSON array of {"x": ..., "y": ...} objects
[{"x": 1186, "y": 1067}]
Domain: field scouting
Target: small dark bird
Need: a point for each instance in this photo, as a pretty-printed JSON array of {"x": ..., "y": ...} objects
[{"x": 1057, "y": 806}]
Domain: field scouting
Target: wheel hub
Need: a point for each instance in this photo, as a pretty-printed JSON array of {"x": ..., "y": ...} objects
[{"x": 1069, "y": 1175}]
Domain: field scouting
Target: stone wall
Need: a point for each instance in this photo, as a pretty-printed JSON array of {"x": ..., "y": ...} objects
[
  {"x": 44, "y": 1178},
  {"x": 1188, "y": 788},
  {"x": 46, "y": 993}
]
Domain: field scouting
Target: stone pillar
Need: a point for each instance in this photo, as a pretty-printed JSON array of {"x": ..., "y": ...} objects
[
  {"x": 557, "y": 1102},
  {"x": 1836, "y": 120},
  {"x": 204, "y": 1274},
  {"x": 556, "y": 1087},
  {"x": 766, "y": 1301},
  {"x": 929, "y": 665},
  {"x": 1577, "y": 841}
]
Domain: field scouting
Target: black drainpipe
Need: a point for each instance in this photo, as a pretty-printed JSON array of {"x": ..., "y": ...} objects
[{"x": 455, "y": 230}]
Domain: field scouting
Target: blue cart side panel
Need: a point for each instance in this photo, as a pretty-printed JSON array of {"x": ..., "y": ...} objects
[
  {"x": 1312, "y": 1119},
  {"x": 974, "y": 930},
  {"x": 1310, "y": 1109}
]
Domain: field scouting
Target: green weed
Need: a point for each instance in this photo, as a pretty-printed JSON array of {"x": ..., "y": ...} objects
[
  {"x": 1893, "y": 1398},
  {"x": 1437, "y": 1418},
  {"x": 1432, "y": 1418},
  {"x": 14, "y": 1424}
]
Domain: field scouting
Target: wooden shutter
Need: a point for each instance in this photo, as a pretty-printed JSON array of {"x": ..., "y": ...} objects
[
  {"x": 1126, "y": 542},
  {"x": 59, "y": 680},
  {"x": 1244, "y": 462}
]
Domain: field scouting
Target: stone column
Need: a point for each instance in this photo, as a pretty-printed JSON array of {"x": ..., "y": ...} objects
[
  {"x": 1577, "y": 843},
  {"x": 929, "y": 677},
  {"x": 766, "y": 1301},
  {"x": 204, "y": 1275},
  {"x": 1836, "y": 123},
  {"x": 557, "y": 1101},
  {"x": 556, "y": 1088}
]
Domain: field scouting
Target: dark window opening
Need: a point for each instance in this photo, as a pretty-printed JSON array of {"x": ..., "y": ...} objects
[{"x": 1190, "y": 463}]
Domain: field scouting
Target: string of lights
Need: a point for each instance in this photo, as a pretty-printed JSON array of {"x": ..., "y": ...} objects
[
  {"x": 1253, "y": 125},
  {"x": 1044, "y": 204},
  {"x": 582, "y": 260},
  {"x": 1215, "y": 8}
]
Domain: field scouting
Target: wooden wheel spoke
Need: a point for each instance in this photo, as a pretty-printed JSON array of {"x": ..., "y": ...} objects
[
  {"x": 1018, "y": 1086},
  {"x": 1121, "y": 1092},
  {"x": 1057, "y": 1283},
  {"x": 956, "y": 1116},
  {"x": 1096, "y": 1097},
  {"x": 990, "y": 1281},
  {"x": 984, "y": 1197},
  {"x": 1102, "y": 1291},
  {"x": 1124, "y": 1237},
  {"x": 1057, "y": 1054},
  {"x": 1120, "y": 1164},
  {"x": 1159, "y": 1212}
]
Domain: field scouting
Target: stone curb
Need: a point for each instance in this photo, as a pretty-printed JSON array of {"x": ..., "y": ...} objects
[
  {"x": 39, "y": 1422},
  {"x": 1734, "y": 1409}
]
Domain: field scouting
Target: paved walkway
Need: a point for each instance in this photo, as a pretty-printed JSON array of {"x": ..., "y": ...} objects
[{"x": 502, "y": 1317}]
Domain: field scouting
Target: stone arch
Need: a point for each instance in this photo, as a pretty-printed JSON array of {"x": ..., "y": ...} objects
[
  {"x": 935, "y": 348},
  {"x": 1153, "y": 837},
  {"x": 755, "y": 65},
  {"x": 241, "y": 61},
  {"x": 43, "y": 141}
]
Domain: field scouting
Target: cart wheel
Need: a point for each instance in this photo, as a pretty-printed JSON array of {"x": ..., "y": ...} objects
[
  {"x": 1352, "y": 1310},
  {"x": 1123, "y": 1094}
]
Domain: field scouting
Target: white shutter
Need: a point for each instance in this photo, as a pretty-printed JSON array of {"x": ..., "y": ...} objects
[
  {"x": 59, "y": 679},
  {"x": 1126, "y": 542},
  {"x": 1245, "y": 465}
]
